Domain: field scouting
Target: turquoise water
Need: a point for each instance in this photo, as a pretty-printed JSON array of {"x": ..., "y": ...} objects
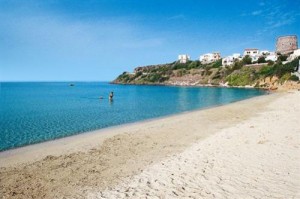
[{"x": 36, "y": 112}]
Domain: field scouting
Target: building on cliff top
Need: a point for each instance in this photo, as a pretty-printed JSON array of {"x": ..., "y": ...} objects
[
  {"x": 272, "y": 56},
  {"x": 229, "y": 60},
  {"x": 183, "y": 58},
  {"x": 210, "y": 57},
  {"x": 294, "y": 55},
  {"x": 253, "y": 53},
  {"x": 286, "y": 44}
]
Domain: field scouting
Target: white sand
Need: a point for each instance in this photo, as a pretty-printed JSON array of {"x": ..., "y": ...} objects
[
  {"x": 248, "y": 149},
  {"x": 258, "y": 158}
]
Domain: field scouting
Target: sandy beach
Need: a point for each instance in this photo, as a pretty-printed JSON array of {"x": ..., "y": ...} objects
[{"x": 247, "y": 149}]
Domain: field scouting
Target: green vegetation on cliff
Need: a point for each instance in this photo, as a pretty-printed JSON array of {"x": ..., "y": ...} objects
[{"x": 195, "y": 73}]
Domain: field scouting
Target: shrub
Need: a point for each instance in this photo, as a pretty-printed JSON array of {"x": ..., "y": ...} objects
[
  {"x": 282, "y": 57},
  {"x": 266, "y": 71},
  {"x": 154, "y": 77},
  {"x": 247, "y": 60},
  {"x": 217, "y": 63},
  {"x": 284, "y": 78},
  {"x": 194, "y": 64},
  {"x": 180, "y": 65},
  {"x": 239, "y": 79},
  {"x": 124, "y": 77},
  {"x": 181, "y": 72},
  {"x": 294, "y": 78},
  {"x": 138, "y": 74},
  {"x": 245, "y": 76},
  {"x": 293, "y": 65},
  {"x": 280, "y": 69},
  {"x": 237, "y": 65},
  {"x": 261, "y": 60}
]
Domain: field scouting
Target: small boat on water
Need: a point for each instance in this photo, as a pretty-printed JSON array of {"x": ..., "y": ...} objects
[{"x": 71, "y": 84}]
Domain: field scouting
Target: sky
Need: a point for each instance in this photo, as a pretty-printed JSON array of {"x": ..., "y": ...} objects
[{"x": 96, "y": 40}]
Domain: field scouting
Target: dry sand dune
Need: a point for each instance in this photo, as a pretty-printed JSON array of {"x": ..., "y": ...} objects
[{"x": 248, "y": 149}]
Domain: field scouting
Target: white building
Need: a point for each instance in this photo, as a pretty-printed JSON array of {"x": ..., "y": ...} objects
[
  {"x": 229, "y": 60},
  {"x": 183, "y": 58},
  {"x": 209, "y": 57},
  {"x": 264, "y": 53},
  {"x": 253, "y": 53},
  {"x": 269, "y": 56},
  {"x": 272, "y": 56},
  {"x": 294, "y": 55}
]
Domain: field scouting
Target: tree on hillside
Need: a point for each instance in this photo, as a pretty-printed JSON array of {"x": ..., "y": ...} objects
[
  {"x": 193, "y": 64},
  {"x": 217, "y": 63},
  {"x": 282, "y": 57},
  {"x": 247, "y": 60},
  {"x": 237, "y": 65},
  {"x": 261, "y": 60}
]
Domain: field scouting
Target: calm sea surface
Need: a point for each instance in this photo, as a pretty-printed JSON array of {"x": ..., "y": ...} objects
[{"x": 36, "y": 112}]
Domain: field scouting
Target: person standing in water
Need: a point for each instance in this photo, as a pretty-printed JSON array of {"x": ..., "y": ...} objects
[{"x": 111, "y": 95}]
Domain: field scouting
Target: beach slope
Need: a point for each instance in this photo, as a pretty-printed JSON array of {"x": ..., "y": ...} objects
[{"x": 257, "y": 158}]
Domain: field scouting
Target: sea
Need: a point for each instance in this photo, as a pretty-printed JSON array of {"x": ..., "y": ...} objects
[{"x": 33, "y": 112}]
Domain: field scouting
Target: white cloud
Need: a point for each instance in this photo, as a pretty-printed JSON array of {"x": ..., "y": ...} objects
[
  {"x": 257, "y": 12},
  {"x": 274, "y": 15}
]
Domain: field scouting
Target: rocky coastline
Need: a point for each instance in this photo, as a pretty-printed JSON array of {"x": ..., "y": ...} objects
[{"x": 268, "y": 76}]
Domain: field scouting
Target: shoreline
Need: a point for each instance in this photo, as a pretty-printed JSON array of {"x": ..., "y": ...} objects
[
  {"x": 122, "y": 159},
  {"x": 191, "y": 85},
  {"x": 273, "y": 87},
  {"x": 66, "y": 142}
]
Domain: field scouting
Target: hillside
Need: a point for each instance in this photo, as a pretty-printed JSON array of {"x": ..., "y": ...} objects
[{"x": 267, "y": 75}]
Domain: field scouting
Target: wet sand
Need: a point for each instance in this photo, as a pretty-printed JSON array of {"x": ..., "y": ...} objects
[{"x": 244, "y": 149}]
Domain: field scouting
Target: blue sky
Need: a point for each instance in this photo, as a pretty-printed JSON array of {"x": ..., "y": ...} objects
[{"x": 93, "y": 40}]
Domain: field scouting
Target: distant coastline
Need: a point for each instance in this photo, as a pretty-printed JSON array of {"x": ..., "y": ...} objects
[
  {"x": 268, "y": 76},
  {"x": 183, "y": 84}
]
